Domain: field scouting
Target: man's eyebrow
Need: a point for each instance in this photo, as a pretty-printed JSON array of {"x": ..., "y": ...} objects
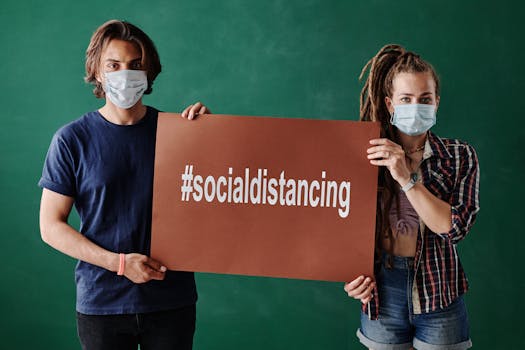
[{"x": 115, "y": 60}]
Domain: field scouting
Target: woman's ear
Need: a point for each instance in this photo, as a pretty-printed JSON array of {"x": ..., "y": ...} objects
[{"x": 389, "y": 104}]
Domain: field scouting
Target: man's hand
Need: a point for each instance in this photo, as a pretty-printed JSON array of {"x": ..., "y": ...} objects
[
  {"x": 140, "y": 268},
  {"x": 192, "y": 111}
]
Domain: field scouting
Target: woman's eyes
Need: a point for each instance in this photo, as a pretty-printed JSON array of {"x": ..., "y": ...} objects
[{"x": 423, "y": 100}]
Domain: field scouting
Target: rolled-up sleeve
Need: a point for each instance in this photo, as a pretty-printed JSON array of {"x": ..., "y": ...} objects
[{"x": 465, "y": 197}]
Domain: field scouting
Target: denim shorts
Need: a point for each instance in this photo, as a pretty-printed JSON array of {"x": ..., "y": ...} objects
[{"x": 399, "y": 328}]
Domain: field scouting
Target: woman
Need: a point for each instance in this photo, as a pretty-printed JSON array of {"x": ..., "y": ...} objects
[{"x": 427, "y": 203}]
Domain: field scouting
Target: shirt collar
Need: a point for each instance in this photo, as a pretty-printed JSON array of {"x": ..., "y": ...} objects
[{"x": 434, "y": 146}]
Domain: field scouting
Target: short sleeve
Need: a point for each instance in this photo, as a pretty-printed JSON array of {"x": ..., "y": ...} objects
[{"x": 58, "y": 174}]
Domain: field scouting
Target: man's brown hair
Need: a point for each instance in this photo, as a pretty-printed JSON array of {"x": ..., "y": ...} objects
[{"x": 126, "y": 31}]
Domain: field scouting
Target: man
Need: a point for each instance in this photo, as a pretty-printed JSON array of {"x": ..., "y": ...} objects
[{"x": 103, "y": 164}]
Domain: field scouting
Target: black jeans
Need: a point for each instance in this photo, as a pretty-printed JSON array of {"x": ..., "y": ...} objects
[{"x": 164, "y": 330}]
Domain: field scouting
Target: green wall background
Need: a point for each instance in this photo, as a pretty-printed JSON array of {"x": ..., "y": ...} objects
[{"x": 275, "y": 58}]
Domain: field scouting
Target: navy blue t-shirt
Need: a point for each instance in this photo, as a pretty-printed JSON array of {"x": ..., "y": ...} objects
[{"x": 108, "y": 170}]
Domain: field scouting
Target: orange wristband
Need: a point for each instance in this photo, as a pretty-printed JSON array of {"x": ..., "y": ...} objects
[{"x": 122, "y": 264}]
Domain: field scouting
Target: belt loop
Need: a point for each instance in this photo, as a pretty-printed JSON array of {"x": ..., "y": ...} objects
[
  {"x": 410, "y": 263},
  {"x": 139, "y": 326}
]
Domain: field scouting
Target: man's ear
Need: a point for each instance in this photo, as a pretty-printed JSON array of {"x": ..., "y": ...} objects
[{"x": 99, "y": 75}]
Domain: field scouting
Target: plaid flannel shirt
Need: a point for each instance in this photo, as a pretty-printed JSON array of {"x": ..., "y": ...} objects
[{"x": 450, "y": 171}]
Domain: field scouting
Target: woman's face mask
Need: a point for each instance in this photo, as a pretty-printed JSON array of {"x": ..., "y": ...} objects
[
  {"x": 124, "y": 88},
  {"x": 413, "y": 102},
  {"x": 413, "y": 119}
]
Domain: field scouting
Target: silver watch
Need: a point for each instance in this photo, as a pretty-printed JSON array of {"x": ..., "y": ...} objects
[{"x": 413, "y": 180}]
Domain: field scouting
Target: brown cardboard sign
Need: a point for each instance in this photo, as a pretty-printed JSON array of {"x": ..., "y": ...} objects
[{"x": 278, "y": 197}]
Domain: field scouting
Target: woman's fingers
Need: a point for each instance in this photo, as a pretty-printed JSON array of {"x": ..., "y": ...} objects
[
  {"x": 390, "y": 147},
  {"x": 382, "y": 154},
  {"x": 383, "y": 141},
  {"x": 367, "y": 299},
  {"x": 355, "y": 283},
  {"x": 359, "y": 288},
  {"x": 366, "y": 293}
]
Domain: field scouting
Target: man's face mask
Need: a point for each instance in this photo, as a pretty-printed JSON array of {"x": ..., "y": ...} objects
[
  {"x": 413, "y": 119},
  {"x": 125, "y": 87}
]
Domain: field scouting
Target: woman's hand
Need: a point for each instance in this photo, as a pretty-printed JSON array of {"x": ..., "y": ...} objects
[
  {"x": 141, "y": 268},
  {"x": 435, "y": 212},
  {"x": 192, "y": 111},
  {"x": 390, "y": 154},
  {"x": 360, "y": 288}
]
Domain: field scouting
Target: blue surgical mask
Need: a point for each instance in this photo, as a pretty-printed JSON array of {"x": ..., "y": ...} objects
[
  {"x": 125, "y": 87},
  {"x": 413, "y": 119}
]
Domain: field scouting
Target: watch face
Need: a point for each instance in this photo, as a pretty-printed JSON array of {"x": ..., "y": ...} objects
[{"x": 413, "y": 177}]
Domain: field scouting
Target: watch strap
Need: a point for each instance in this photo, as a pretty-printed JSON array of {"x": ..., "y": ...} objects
[{"x": 411, "y": 183}]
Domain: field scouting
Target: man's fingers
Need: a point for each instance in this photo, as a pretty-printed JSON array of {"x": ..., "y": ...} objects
[
  {"x": 154, "y": 264},
  {"x": 156, "y": 275},
  {"x": 184, "y": 113},
  {"x": 151, "y": 274},
  {"x": 194, "y": 110},
  {"x": 197, "y": 106},
  {"x": 141, "y": 268},
  {"x": 190, "y": 111}
]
